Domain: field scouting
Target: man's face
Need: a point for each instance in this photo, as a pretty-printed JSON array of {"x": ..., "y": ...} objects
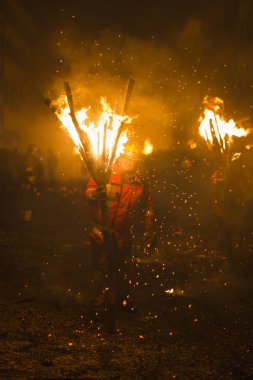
[{"x": 127, "y": 165}]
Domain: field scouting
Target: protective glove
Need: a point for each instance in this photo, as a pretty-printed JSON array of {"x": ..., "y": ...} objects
[
  {"x": 150, "y": 238},
  {"x": 98, "y": 194}
]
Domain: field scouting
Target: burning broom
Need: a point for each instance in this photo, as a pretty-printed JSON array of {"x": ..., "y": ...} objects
[
  {"x": 219, "y": 135},
  {"x": 98, "y": 147}
]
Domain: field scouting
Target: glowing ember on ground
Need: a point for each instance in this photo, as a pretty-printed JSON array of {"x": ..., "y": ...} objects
[
  {"x": 101, "y": 133},
  {"x": 175, "y": 292},
  {"x": 214, "y": 128}
]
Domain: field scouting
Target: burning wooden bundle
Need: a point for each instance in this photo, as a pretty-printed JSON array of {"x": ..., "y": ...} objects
[
  {"x": 214, "y": 128},
  {"x": 99, "y": 144},
  {"x": 219, "y": 135}
]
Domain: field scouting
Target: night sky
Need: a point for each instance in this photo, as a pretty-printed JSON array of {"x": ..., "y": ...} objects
[{"x": 140, "y": 18}]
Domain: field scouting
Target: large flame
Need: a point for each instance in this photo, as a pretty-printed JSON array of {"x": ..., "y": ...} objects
[
  {"x": 102, "y": 134},
  {"x": 214, "y": 127}
]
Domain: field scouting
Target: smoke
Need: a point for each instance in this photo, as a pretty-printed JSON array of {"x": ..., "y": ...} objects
[
  {"x": 173, "y": 70},
  {"x": 100, "y": 67}
]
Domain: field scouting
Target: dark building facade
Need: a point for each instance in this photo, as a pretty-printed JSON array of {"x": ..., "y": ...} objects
[{"x": 19, "y": 98}]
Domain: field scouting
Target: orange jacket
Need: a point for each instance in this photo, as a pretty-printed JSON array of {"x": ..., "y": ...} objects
[{"x": 123, "y": 194}]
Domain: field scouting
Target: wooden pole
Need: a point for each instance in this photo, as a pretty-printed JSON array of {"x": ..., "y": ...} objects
[
  {"x": 110, "y": 320},
  {"x": 84, "y": 139},
  {"x": 128, "y": 93}
]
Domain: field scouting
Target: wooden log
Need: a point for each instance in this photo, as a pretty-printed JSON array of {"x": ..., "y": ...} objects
[
  {"x": 87, "y": 154},
  {"x": 128, "y": 93}
]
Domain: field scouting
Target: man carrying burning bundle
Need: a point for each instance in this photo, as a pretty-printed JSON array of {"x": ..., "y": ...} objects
[
  {"x": 219, "y": 135},
  {"x": 125, "y": 189},
  {"x": 113, "y": 190}
]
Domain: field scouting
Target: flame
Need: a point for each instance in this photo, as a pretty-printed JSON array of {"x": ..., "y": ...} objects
[
  {"x": 148, "y": 148},
  {"x": 213, "y": 127},
  {"x": 108, "y": 124}
]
